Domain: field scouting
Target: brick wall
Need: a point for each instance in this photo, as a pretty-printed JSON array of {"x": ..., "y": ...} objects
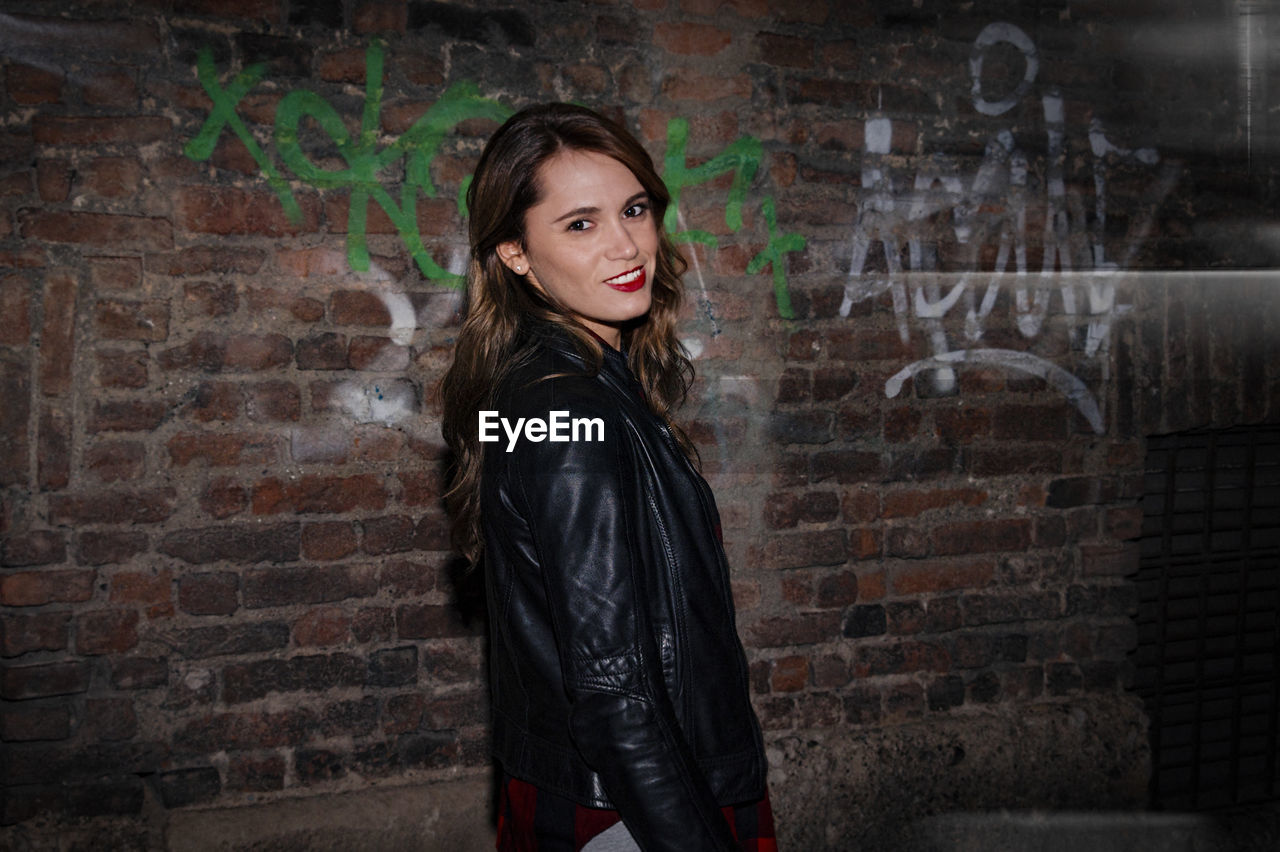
[{"x": 229, "y": 247}]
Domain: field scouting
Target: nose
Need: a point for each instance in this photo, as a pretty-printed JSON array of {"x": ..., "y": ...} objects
[{"x": 622, "y": 245}]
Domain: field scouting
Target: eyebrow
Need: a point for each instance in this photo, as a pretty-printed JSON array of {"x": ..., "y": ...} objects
[{"x": 587, "y": 211}]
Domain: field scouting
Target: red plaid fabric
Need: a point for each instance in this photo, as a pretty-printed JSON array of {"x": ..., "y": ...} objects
[{"x": 534, "y": 820}]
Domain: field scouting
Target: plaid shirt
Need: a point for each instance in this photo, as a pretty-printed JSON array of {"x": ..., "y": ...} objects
[{"x": 534, "y": 820}]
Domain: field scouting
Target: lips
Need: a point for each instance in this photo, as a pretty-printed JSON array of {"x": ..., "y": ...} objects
[{"x": 629, "y": 281}]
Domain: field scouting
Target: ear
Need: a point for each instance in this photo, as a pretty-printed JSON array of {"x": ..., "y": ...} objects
[{"x": 512, "y": 254}]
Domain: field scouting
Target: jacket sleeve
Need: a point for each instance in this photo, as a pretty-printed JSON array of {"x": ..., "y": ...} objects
[{"x": 582, "y": 507}]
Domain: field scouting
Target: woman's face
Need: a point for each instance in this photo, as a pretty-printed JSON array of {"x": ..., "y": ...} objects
[{"x": 591, "y": 243}]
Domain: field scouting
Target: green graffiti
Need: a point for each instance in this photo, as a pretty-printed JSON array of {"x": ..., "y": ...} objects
[
  {"x": 772, "y": 255},
  {"x": 224, "y": 114},
  {"x": 742, "y": 158},
  {"x": 418, "y": 146}
]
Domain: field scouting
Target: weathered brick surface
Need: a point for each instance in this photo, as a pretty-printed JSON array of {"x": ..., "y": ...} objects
[{"x": 224, "y": 562}]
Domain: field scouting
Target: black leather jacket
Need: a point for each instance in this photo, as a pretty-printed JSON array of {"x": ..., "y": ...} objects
[{"x": 618, "y": 679}]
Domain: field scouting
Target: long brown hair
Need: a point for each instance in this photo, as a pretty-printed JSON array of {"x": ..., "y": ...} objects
[{"x": 502, "y": 304}]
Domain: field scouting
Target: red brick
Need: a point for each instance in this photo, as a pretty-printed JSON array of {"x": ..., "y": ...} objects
[
  {"x": 374, "y": 624},
  {"x": 53, "y": 179},
  {"x": 210, "y": 299},
  {"x": 116, "y": 319},
  {"x": 387, "y": 535},
  {"x": 746, "y": 594},
  {"x": 1031, "y": 422},
  {"x": 57, "y": 336},
  {"x": 35, "y": 724},
  {"x": 15, "y": 307},
  {"x": 860, "y": 507},
  {"x": 704, "y": 88},
  {"x": 154, "y": 590},
  {"x": 110, "y": 719},
  {"x": 837, "y": 590},
  {"x": 934, "y": 577},
  {"x": 378, "y": 354},
  {"x": 22, "y": 682},
  {"x": 258, "y": 352},
  {"x": 127, "y": 416},
  {"x": 325, "y": 542},
  {"x": 804, "y": 549},
  {"x": 303, "y": 308},
  {"x": 215, "y": 593},
  {"x": 25, "y": 257},
  {"x": 790, "y": 674},
  {"x": 848, "y": 467},
  {"x": 691, "y": 39},
  {"x": 215, "y": 401},
  {"x": 901, "y": 424},
  {"x": 283, "y": 586},
  {"x": 28, "y": 85},
  {"x": 345, "y": 66},
  {"x": 119, "y": 369},
  {"x": 223, "y": 498},
  {"x": 36, "y": 547},
  {"x": 113, "y": 177},
  {"x": 865, "y": 543},
  {"x": 868, "y": 345},
  {"x": 109, "y": 546},
  {"x": 145, "y": 506},
  {"x": 96, "y": 229},
  {"x": 909, "y": 504},
  {"x": 982, "y": 536},
  {"x": 222, "y": 450},
  {"x": 796, "y": 589},
  {"x": 108, "y": 631},
  {"x": 404, "y": 577},
  {"x": 43, "y": 631},
  {"x": 322, "y": 626},
  {"x": 35, "y": 588},
  {"x": 226, "y": 210},
  {"x": 215, "y": 732},
  {"x": 205, "y": 352},
  {"x": 110, "y": 88},
  {"x": 800, "y": 629},
  {"x": 256, "y": 773},
  {"x": 312, "y": 494},
  {"x": 96, "y": 131},
  {"x": 379, "y": 16},
  {"x": 359, "y": 307},
  {"x": 273, "y": 402},
  {"x": 421, "y": 488},
  {"x": 202, "y": 260},
  {"x": 783, "y": 50},
  {"x": 117, "y": 274},
  {"x": 962, "y": 425}
]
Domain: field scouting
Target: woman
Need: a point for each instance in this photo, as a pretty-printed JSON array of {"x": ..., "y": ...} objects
[{"x": 618, "y": 683}]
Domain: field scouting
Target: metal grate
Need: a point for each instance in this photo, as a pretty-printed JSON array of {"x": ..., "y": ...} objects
[{"x": 1209, "y": 617}]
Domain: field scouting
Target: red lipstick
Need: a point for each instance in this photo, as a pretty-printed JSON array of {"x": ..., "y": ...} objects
[{"x": 629, "y": 281}]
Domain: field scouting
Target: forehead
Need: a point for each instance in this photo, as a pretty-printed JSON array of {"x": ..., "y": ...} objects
[{"x": 572, "y": 178}]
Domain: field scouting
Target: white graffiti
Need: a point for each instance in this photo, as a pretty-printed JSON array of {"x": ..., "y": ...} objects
[{"x": 990, "y": 208}]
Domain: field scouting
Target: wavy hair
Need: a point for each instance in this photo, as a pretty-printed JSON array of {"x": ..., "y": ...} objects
[{"x": 501, "y": 305}]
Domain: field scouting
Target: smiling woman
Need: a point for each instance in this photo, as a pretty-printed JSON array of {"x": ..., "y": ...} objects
[
  {"x": 594, "y": 226},
  {"x": 621, "y": 714}
]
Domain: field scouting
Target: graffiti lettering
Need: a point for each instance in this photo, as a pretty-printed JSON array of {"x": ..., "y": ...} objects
[
  {"x": 991, "y": 207},
  {"x": 418, "y": 147}
]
